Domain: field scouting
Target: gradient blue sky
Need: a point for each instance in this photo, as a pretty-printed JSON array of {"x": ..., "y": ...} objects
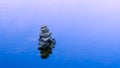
[{"x": 87, "y": 33}]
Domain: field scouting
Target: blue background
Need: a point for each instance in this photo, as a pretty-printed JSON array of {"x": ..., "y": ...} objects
[{"x": 87, "y": 33}]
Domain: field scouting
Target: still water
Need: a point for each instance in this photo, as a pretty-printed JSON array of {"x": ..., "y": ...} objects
[{"x": 87, "y": 33}]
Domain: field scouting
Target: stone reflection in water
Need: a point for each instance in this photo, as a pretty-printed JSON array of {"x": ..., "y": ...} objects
[
  {"x": 45, "y": 52},
  {"x": 46, "y": 42}
]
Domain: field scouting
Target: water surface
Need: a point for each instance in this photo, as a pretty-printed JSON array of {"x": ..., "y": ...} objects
[{"x": 87, "y": 33}]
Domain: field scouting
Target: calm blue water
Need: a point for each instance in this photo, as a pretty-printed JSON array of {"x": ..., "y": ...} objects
[{"x": 87, "y": 33}]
